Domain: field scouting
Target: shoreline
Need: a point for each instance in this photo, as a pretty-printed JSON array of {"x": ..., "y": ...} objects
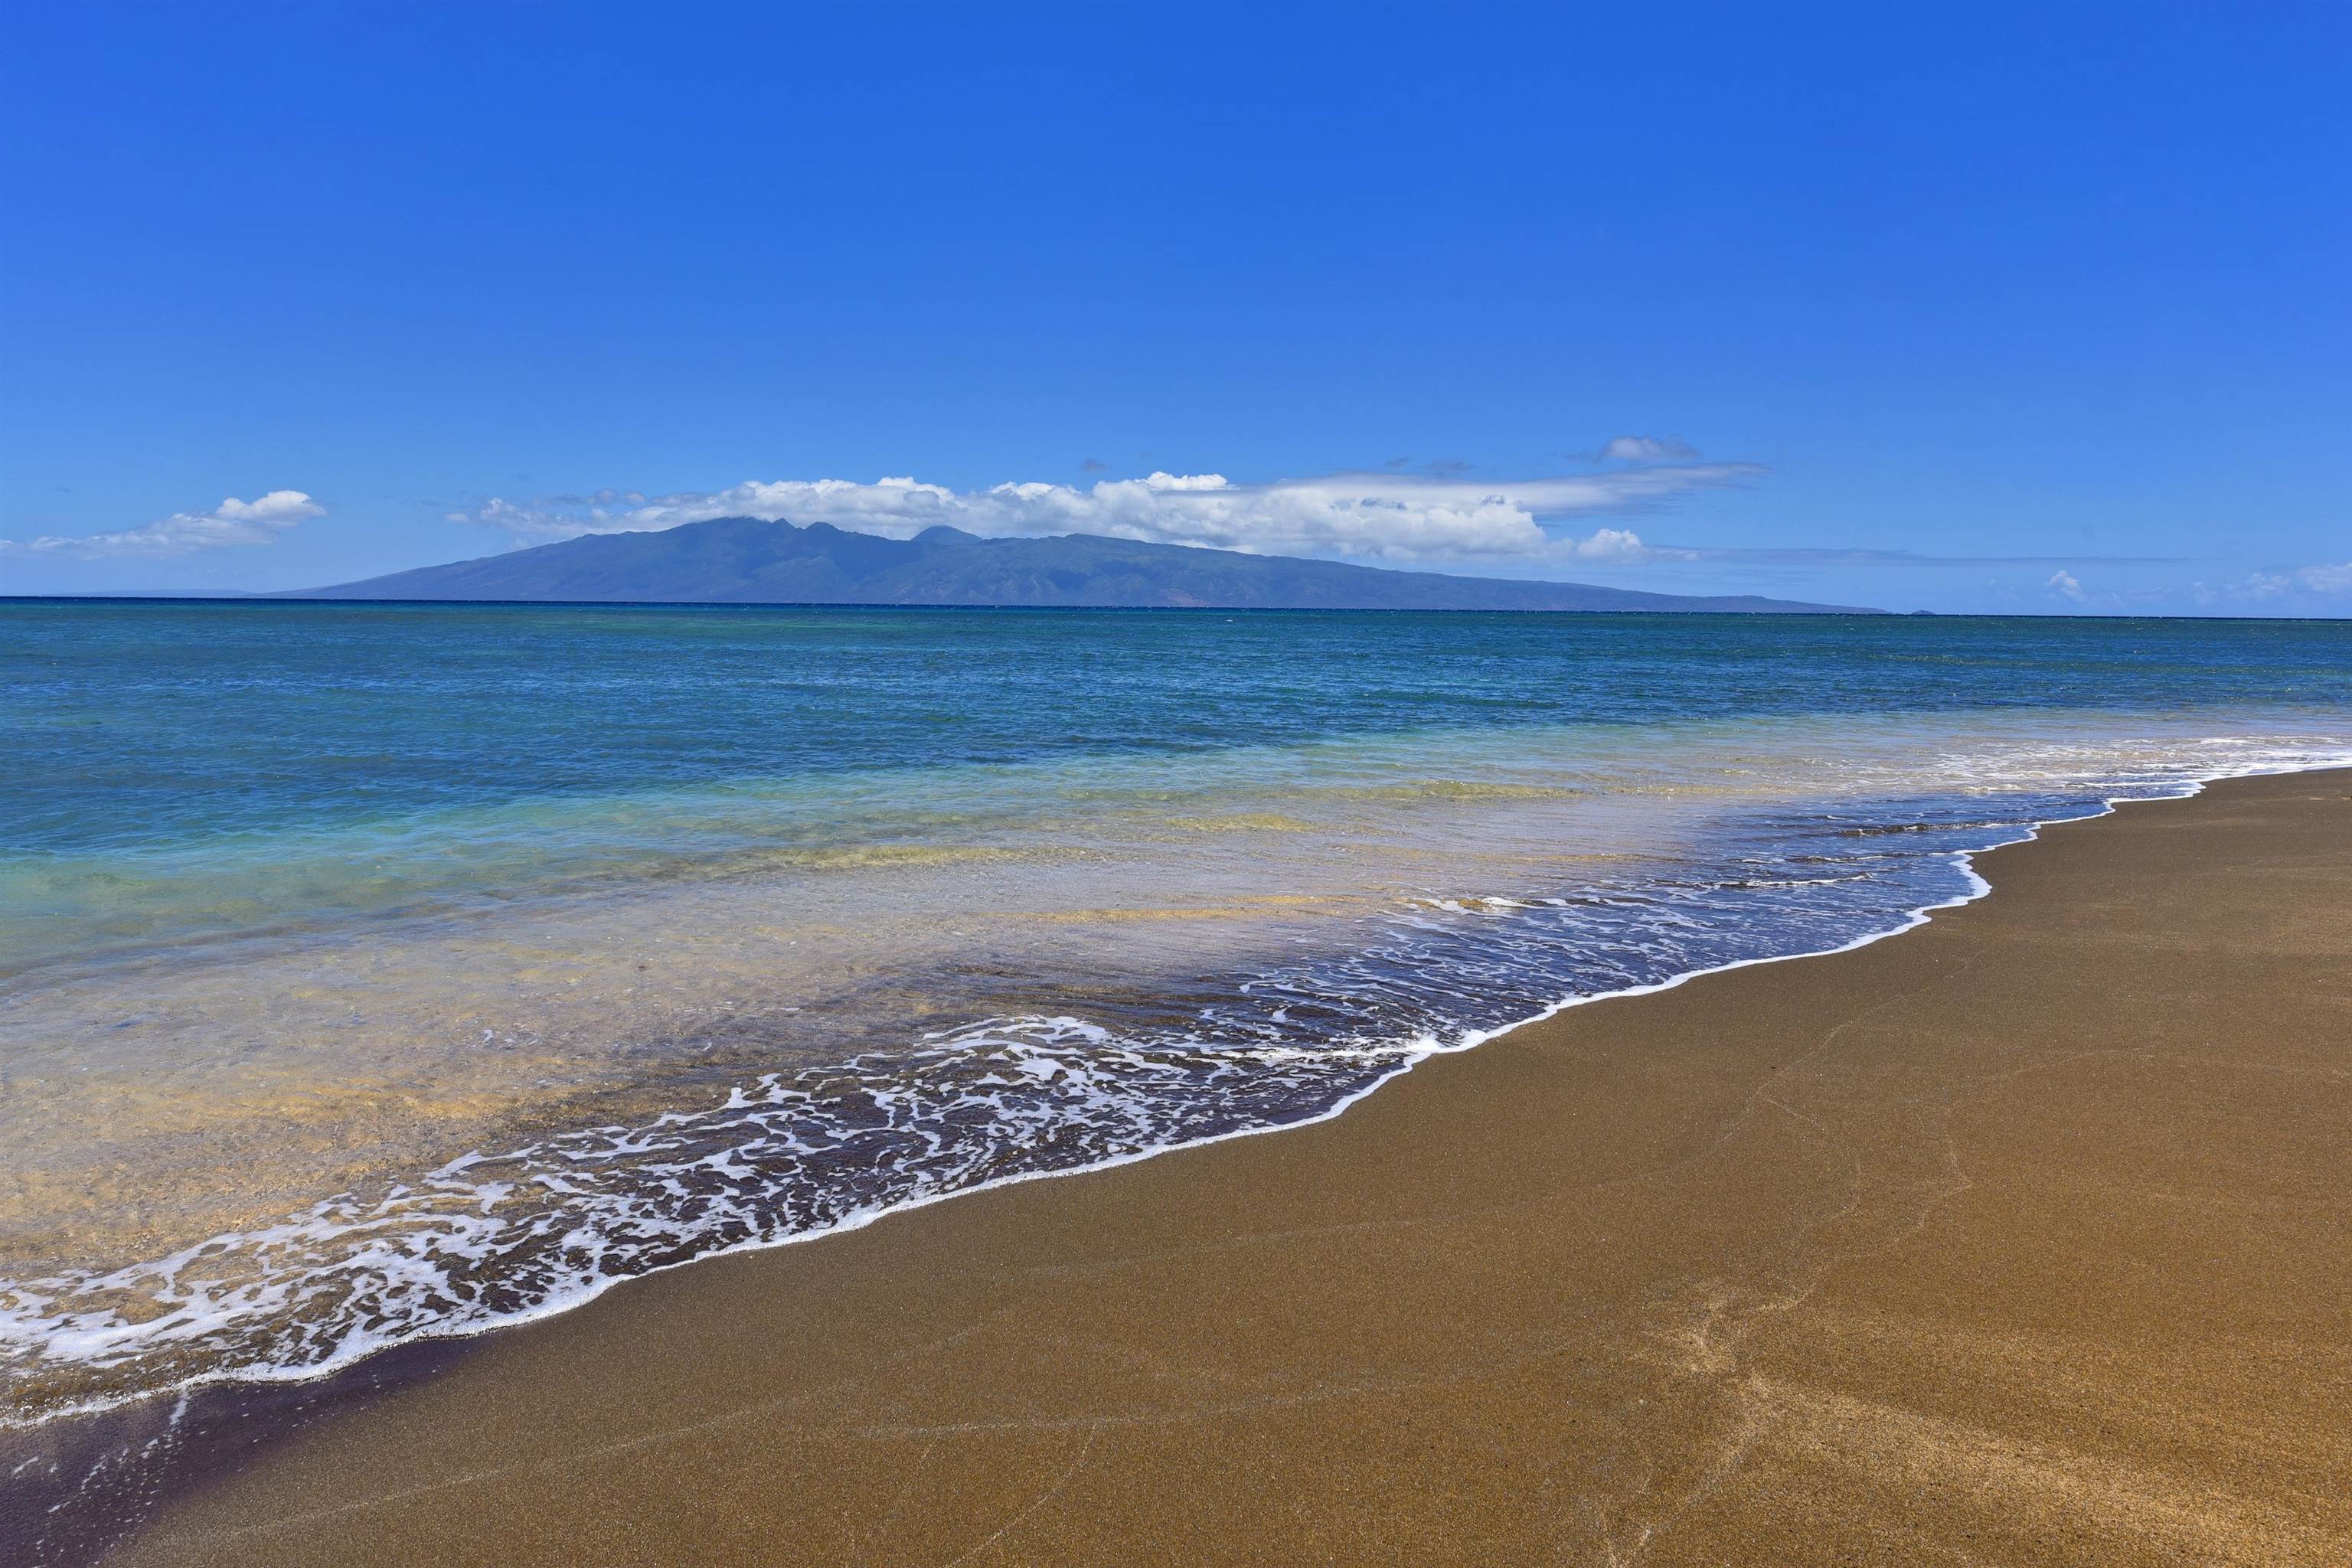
[
  {"x": 509, "y": 1369},
  {"x": 351, "y": 1366}
]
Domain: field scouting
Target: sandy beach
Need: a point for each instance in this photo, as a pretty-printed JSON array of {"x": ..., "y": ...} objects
[{"x": 2020, "y": 1237}]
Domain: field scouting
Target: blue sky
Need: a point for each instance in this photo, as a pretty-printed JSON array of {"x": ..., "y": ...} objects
[{"x": 1954, "y": 308}]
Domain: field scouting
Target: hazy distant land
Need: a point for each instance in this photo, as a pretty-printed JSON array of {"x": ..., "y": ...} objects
[{"x": 746, "y": 560}]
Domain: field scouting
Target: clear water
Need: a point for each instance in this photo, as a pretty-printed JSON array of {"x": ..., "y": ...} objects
[{"x": 375, "y": 972}]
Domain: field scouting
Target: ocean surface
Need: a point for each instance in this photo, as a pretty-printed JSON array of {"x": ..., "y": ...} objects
[{"x": 370, "y": 972}]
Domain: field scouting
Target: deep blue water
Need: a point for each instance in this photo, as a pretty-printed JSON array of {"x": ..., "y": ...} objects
[{"x": 137, "y": 723}]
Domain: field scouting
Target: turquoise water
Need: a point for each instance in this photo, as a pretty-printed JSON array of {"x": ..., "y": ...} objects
[
  {"x": 378, "y": 971},
  {"x": 190, "y": 772}
]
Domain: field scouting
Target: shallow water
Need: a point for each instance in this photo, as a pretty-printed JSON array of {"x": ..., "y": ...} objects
[{"x": 375, "y": 973}]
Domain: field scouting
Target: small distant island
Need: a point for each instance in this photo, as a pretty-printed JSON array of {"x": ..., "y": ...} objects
[{"x": 751, "y": 561}]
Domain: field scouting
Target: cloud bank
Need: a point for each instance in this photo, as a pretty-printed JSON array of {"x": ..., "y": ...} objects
[
  {"x": 2329, "y": 579},
  {"x": 232, "y": 523},
  {"x": 1402, "y": 518}
]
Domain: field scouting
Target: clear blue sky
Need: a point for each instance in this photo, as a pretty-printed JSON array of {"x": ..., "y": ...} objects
[{"x": 2050, "y": 290}]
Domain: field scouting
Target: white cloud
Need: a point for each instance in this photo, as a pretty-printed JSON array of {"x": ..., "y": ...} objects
[
  {"x": 1387, "y": 517},
  {"x": 2063, "y": 583},
  {"x": 2321, "y": 579},
  {"x": 1623, "y": 546},
  {"x": 233, "y": 522},
  {"x": 1648, "y": 449}
]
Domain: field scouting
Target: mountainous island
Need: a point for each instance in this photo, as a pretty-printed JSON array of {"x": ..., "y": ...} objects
[{"x": 747, "y": 561}]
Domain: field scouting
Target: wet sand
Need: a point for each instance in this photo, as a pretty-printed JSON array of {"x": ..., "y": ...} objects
[{"x": 2019, "y": 1239}]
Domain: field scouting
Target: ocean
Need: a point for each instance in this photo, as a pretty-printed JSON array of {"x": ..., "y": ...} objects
[{"x": 375, "y": 973}]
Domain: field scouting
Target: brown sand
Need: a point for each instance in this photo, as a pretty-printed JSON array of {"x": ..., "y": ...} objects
[{"x": 2021, "y": 1238}]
